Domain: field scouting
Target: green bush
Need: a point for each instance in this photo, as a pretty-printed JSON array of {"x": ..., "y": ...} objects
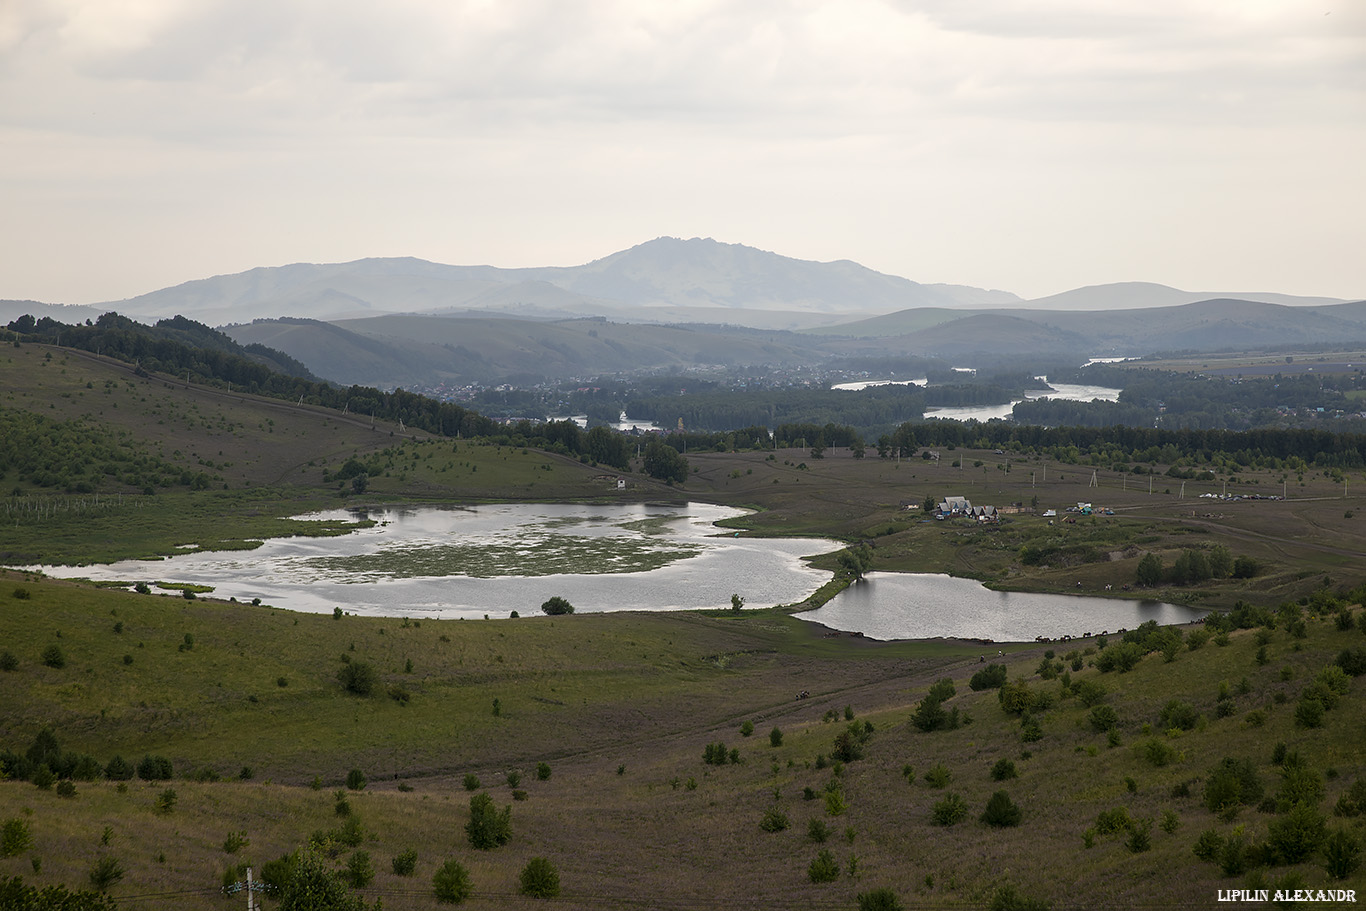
[
  {"x": 540, "y": 879},
  {"x": 824, "y": 869},
  {"x": 15, "y": 837},
  {"x": 8, "y": 661},
  {"x": 1140, "y": 836},
  {"x": 471, "y": 781},
  {"x": 1001, "y": 811},
  {"x": 1003, "y": 769},
  {"x": 1103, "y": 718},
  {"x": 989, "y": 678},
  {"x": 1007, "y": 898},
  {"x": 488, "y": 827},
  {"x": 1297, "y": 835},
  {"x": 357, "y": 677},
  {"x": 360, "y": 872},
  {"x": 1209, "y": 845},
  {"x": 404, "y": 863},
  {"x": 938, "y": 776},
  {"x": 1341, "y": 854},
  {"x": 1090, "y": 693},
  {"x": 879, "y": 900},
  {"x": 1158, "y": 752},
  {"x": 106, "y": 871},
  {"x": 557, "y": 606},
  {"x": 451, "y": 883},
  {"x": 166, "y": 801},
  {"x": 1111, "y": 821},
  {"x": 53, "y": 656},
  {"x": 355, "y": 780},
  {"x": 817, "y": 830},
  {"x": 775, "y": 737},
  {"x": 952, "y": 809},
  {"x": 1181, "y": 715},
  {"x": 155, "y": 768},
  {"x": 1352, "y": 802},
  {"x": 1230, "y": 784},
  {"x": 747, "y": 728},
  {"x": 774, "y": 820}
]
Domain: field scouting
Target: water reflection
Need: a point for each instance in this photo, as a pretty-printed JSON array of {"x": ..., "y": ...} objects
[{"x": 925, "y": 606}]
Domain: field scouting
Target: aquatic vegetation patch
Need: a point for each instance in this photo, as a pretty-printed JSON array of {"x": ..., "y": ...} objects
[{"x": 542, "y": 556}]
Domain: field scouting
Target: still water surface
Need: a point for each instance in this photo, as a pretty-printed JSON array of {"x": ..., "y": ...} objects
[
  {"x": 498, "y": 558},
  {"x": 925, "y": 606}
]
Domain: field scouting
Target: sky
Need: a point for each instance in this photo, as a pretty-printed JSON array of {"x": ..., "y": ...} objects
[{"x": 1028, "y": 145}]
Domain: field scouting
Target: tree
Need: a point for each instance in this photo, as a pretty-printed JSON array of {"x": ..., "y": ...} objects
[
  {"x": 451, "y": 883},
  {"x": 360, "y": 482},
  {"x": 488, "y": 826},
  {"x": 357, "y": 677},
  {"x": 540, "y": 879},
  {"x": 1149, "y": 571},
  {"x": 663, "y": 463},
  {"x": 855, "y": 560},
  {"x": 737, "y": 603},
  {"x": 557, "y": 606},
  {"x": 314, "y": 887},
  {"x": 929, "y": 505},
  {"x": 1001, "y": 811}
]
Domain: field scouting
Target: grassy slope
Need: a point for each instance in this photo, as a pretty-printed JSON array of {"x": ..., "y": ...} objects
[
  {"x": 591, "y": 693},
  {"x": 588, "y": 694}
]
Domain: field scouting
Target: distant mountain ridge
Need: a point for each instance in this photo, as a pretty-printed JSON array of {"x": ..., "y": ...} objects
[{"x": 665, "y": 280}]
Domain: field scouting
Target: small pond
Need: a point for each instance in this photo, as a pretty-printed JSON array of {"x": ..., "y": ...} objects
[{"x": 926, "y": 606}]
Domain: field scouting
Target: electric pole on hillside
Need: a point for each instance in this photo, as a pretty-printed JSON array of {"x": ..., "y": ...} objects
[{"x": 251, "y": 887}]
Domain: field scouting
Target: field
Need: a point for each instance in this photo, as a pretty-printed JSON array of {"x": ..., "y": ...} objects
[{"x": 593, "y": 728}]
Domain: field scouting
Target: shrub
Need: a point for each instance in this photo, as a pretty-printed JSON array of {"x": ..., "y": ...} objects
[
  {"x": 542, "y": 771},
  {"x": 357, "y": 677},
  {"x": 557, "y": 606},
  {"x": 1103, "y": 718},
  {"x": 540, "y": 879},
  {"x": 405, "y": 863},
  {"x": 938, "y": 776},
  {"x": 1007, "y": 898},
  {"x": 1170, "y": 821},
  {"x": 53, "y": 657},
  {"x": 66, "y": 788},
  {"x": 1091, "y": 693},
  {"x": 166, "y": 801},
  {"x": 155, "y": 768},
  {"x": 235, "y": 842},
  {"x": 451, "y": 883},
  {"x": 989, "y": 678},
  {"x": 355, "y": 780},
  {"x": 1232, "y": 783},
  {"x": 817, "y": 830},
  {"x": 1298, "y": 834},
  {"x": 1003, "y": 769},
  {"x": 1109, "y": 822},
  {"x": 471, "y": 781},
  {"x": 824, "y": 869},
  {"x": 1352, "y": 802},
  {"x": 1341, "y": 854},
  {"x": 1158, "y": 752},
  {"x": 1233, "y": 859},
  {"x": 8, "y": 661},
  {"x": 1209, "y": 845},
  {"x": 775, "y": 738},
  {"x": 1352, "y": 661},
  {"x": 879, "y": 900},
  {"x": 360, "y": 872},
  {"x": 1178, "y": 714},
  {"x": 106, "y": 871},
  {"x": 941, "y": 690},
  {"x": 1140, "y": 836},
  {"x": 15, "y": 838},
  {"x": 1001, "y": 811},
  {"x": 1309, "y": 712},
  {"x": 775, "y": 820},
  {"x": 488, "y": 826},
  {"x": 952, "y": 809}
]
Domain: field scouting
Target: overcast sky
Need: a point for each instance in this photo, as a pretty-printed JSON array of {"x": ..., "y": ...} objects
[{"x": 1027, "y": 145}]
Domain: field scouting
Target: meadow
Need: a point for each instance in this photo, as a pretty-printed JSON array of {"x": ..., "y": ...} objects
[{"x": 368, "y": 736}]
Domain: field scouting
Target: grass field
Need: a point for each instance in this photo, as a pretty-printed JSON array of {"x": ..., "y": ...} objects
[
  {"x": 620, "y": 708},
  {"x": 248, "y": 705}
]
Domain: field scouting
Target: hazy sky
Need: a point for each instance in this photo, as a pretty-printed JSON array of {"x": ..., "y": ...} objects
[{"x": 1028, "y": 145}]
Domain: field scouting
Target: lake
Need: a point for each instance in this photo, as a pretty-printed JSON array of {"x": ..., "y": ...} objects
[
  {"x": 1076, "y": 392},
  {"x": 469, "y": 562},
  {"x": 494, "y": 559},
  {"x": 926, "y": 606}
]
